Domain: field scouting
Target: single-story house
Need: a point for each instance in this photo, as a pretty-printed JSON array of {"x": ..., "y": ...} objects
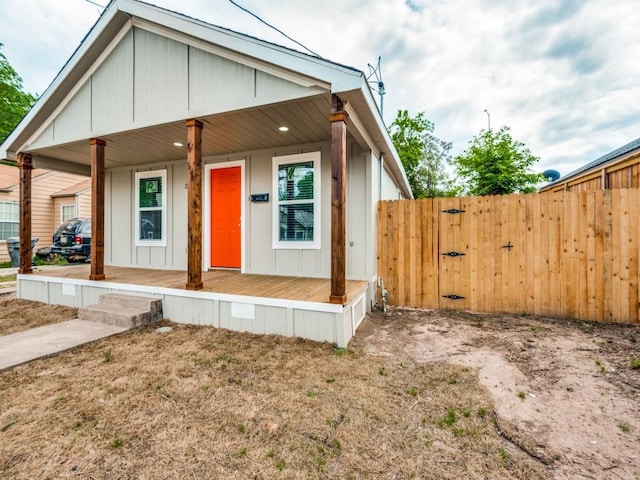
[
  {"x": 617, "y": 169},
  {"x": 236, "y": 179},
  {"x": 56, "y": 197}
]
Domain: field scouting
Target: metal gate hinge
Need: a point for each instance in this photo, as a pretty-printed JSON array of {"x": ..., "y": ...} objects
[
  {"x": 453, "y": 210},
  {"x": 453, "y": 297},
  {"x": 453, "y": 254}
]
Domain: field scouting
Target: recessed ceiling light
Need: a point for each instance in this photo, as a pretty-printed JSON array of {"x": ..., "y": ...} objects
[
  {"x": 283, "y": 128},
  {"x": 177, "y": 144}
]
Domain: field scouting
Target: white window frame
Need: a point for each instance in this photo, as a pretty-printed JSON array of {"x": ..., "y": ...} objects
[
  {"x": 162, "y": 242},
  {"x": 17, "y": 221},
  {"x": 62, "y": 207},
  {"x": 315, "y": 158}
]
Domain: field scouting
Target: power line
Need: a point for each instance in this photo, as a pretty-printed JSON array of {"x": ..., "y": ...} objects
[
  {"x": 94, "y": 3},
  {"x": 275, "y": 28}
]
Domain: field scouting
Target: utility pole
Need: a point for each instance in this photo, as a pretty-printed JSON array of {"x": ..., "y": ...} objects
[{"x": 488, "y": 119}]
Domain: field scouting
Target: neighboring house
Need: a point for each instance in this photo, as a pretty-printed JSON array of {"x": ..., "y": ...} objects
[
  {"x": 72, "y": 201},
  {"x": 617, "y": 169},
  {"x": 209, "y": 149},
  {"x": 55, "y": 196}
]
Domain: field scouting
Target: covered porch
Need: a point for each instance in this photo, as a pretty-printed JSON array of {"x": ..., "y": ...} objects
[{"x": 261, "y": 304}]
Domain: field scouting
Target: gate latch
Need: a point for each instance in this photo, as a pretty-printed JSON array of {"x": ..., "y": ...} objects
[
  {"x": 453, "y": 211},
  {"x": 453, "y": 254}
]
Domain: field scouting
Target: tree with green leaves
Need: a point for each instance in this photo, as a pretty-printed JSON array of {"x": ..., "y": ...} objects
[
  {"x": 14, "y": 101},
  {"x": 423, "y": 155},
  {"x": 496, "y": 164}
]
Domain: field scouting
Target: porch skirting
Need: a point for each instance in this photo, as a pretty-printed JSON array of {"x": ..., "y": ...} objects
[{"x": 323, "y": 322}]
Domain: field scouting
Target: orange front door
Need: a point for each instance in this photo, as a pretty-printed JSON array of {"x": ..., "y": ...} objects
[{"x": 226, "y": 200}]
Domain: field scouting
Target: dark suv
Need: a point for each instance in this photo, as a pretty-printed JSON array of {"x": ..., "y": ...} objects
[{"x": 72, "y": 240}]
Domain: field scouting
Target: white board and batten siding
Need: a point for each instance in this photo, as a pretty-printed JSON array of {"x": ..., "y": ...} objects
[
  {"x": 259, "y": 255},
  {"x": 322, "y": 322},
  {"x": 128, "y": 89}
]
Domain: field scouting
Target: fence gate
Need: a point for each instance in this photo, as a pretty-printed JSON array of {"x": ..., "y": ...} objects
[{"x": 572, "y": 254}]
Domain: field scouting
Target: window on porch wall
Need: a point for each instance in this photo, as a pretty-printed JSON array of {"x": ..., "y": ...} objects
[
  {"x": 9, "y": 219},
  {"x": 151, "y": 210},
  {"x": 297, "y": 201}
]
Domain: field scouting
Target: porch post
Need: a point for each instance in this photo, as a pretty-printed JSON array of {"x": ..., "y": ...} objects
[
  {"x": 97, "y": 209},
  {"x": 25, "y": 165},
  {"x": 194, "y": 205},
  {"x": 338, "y": 120}
]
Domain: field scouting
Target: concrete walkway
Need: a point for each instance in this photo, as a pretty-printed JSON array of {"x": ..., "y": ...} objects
[{"x": 22, "y": 347}]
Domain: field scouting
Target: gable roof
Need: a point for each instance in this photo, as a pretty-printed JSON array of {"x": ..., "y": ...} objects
[
  {"x": 73, "y": 190},
  {"x": 121, "y": 16}
]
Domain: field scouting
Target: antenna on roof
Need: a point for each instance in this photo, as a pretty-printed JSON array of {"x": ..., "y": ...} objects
[{"x": 377, "y": 83}]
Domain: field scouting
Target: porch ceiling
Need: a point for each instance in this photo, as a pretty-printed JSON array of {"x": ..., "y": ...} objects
[{"x": 252, "y": 129}]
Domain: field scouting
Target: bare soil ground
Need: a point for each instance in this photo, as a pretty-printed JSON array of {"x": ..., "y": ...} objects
[
  {"x": 424, "y": 395},
  {"x": 567, "y": 393}
]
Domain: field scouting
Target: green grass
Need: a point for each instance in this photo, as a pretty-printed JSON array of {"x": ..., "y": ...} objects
[
  {"x": 117, "y": 443},
  {"x": 504, "y": 455},
  {"x": 635, "y": 364},
  {"x": 413, "y": 391},
  {"x": 8, "y": 278},
  {"x": 449, "y": 419},
  {"x": 521, "y": 395}
]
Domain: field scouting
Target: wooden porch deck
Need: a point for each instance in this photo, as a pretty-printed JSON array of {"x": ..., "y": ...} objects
[{"x": 218, "y": 281}]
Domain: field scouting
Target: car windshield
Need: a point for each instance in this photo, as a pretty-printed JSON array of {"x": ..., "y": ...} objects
[{"x": 69, "y": 227}]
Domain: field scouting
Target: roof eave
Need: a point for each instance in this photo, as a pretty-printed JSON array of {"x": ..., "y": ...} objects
[
  {"x": 380, "y": 135},
  {"x": 618, "y": 155},
  {"x": 109, "y": 22}
]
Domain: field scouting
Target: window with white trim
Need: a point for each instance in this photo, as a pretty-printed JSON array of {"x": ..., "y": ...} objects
[
  {"x": 67, "y": 212},
  {"x": 296, "y": 205},
  {"x": 9, "y": 219},
  {"x": 151, "y": 208}
]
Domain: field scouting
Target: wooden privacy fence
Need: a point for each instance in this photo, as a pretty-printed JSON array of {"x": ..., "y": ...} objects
[{"x": 571, "y": 254}]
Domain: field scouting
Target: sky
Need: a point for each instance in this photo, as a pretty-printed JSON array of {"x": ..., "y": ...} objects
[{"x": 564, "y": 75}]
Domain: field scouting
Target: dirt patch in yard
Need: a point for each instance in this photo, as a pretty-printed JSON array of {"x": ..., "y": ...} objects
[
  {"x": 196, "y": 402},
  {"x": 566, "y": 393},
  {"x": 419, "y": 394},
  {"x": 18, "y": 315}
]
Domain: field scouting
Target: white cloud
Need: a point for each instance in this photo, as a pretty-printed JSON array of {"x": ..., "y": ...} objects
[{"x": 562, "y": 75}]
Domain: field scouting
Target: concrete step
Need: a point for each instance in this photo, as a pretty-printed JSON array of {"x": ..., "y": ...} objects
[
  {"x": 123, "y": 310},
  {"x": 131, "y": 301}
]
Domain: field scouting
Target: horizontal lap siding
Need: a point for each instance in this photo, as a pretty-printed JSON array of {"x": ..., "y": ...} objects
[{"x": 572, "y": 254}]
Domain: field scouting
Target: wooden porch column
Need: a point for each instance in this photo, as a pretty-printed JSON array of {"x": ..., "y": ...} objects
[
  {"x": 338, "y": 120},
  {"x": 97, "y": 209},
  {"x": 25, "y": 165},
  {"x": 194, "y": 205}
]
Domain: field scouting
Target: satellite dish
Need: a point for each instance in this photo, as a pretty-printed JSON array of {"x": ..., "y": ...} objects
[{"x": 551, "y": 175}]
